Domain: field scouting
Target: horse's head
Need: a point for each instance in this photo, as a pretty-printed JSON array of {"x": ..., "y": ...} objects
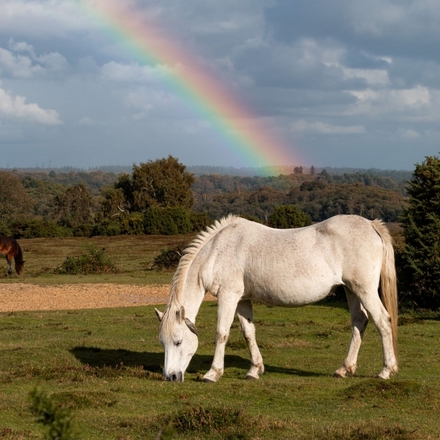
[
  {"x": 19, "y": 267},
  {"x": 178, "y": 336}
]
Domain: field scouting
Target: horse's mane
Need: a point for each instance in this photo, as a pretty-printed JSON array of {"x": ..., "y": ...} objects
[{"x": 190, "y": 253}]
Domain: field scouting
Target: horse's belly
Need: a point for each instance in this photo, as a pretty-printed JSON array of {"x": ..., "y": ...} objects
[{"x": 289, "y": 294}]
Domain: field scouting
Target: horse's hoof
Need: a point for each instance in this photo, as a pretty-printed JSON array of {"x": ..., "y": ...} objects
[
  {"x": 340, "y": 373},
  {"x": 212, "y": 376},
  {"x": 250, "y": 377},
  {"x": 206, "y": 380}
]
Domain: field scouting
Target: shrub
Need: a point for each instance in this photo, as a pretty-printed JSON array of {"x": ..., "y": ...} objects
[
  {"x": 288, "y": 216},
  {"x": 38, "y": 228},
  {"x": 199, "y": 220},
  {"x": 95, "y": 261},
  {"x": 85, "y": 230},
  {"x": 168, "y": 258},
  {"x": 167, "y": 221},
  {"x": 57, "y": 420},
  {"x": 107, "y": 227},
  {"x": 5, "y": 230},
  {"x": 132, "y": 224}
]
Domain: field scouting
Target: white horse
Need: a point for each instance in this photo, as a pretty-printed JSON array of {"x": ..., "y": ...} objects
[{"x": 240, "y": 261}]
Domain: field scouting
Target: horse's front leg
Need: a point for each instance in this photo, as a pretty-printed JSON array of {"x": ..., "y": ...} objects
[
  {"x": 226, "y": 309},
  {"x": 246, "y": 317}
]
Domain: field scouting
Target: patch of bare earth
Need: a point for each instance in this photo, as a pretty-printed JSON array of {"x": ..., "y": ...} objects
[{"x": 21, "y": 297}]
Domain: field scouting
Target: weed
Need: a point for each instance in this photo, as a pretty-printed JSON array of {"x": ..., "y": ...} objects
[
  {"x": 364, "y": 431},
  {"x": 95, "y": 261},
  {"x": 56, "y": 419},
  {"x": 222, "y": 422},
  {"x": 168, "y": 258}
]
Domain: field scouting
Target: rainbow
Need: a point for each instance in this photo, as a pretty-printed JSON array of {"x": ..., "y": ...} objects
[{"x": 244, "y": 133}]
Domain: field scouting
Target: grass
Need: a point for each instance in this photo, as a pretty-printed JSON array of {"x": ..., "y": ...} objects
[
  {"x": 101, "y": 369},
  {"x": 104, "y": 367},
  {"x": 132, "y": 255}
]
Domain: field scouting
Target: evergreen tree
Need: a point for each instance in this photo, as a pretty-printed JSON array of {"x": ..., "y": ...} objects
[{"x": 421, "y": 221}]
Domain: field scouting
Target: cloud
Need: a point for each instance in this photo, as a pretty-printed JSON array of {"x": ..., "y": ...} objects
[
  {"x": 28, "y": 66},
  {"x": 418, "y": 104},
  {"x": 303, "y": 126},
  {"x": 86, "y": 121},
  {"x": 134, "y": 72},
  {"x": 408, "y": 133},
  {"x": 41, "y": 18},
  {"x": 15, "y": 107}
]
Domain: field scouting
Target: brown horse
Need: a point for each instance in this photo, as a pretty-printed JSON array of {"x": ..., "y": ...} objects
[{"x": 11, "y": 249}]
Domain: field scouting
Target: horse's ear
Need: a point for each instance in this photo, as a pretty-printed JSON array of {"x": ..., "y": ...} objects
[
  {"x": 181, "y": 315},
  {"x": 159, "y": 314},
  {"x": 191, "y": 326}
]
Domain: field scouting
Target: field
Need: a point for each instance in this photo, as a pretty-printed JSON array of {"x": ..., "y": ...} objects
[{"x": 103, "y": 366}]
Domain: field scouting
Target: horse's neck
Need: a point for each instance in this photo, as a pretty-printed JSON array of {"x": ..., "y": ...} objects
[{"x": 190, "y": 297}]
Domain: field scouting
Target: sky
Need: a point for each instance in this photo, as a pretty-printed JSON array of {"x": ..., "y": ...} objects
[{"x": 242, "y": 83}]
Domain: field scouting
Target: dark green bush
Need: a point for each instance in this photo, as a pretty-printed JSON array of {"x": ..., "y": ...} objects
[
  {"x": 95, "y": 261},
  {"x": 35, "y": 228},
  {"x": 199, "y": 220},
  {"x": 132, "y": 224},
  {"x": 167, "y": 221},
  {"x": 168, "y": 258},
  {"x": 107, "y": 227},
  {"x": 85, "y": 230},
  {"x": 288, "y": 216},
  {"x": 5, "y": 230}
]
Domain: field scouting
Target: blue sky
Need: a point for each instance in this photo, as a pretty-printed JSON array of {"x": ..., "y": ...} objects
[{"x": 347, "y": 83}]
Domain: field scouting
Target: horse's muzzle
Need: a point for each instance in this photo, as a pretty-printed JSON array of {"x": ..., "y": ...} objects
[{"x": 174, "y": 377}]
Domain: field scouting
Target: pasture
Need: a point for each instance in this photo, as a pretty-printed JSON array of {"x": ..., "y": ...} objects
[{"x": 104, "y": 366}]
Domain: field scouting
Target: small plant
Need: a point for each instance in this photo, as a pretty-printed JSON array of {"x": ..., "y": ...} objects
[
  {"x": 225, "y": 422},
  {"x": 168, "y": 258},
  {"x": 56, "y": 419},
  {"x": 95, "y": 261}
]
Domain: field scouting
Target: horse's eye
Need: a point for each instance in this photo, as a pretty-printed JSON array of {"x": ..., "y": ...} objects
[{"x": 177, "y": 343}]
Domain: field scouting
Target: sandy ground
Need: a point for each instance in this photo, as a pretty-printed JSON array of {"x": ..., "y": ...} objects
[{"x": 19, "y": 297}]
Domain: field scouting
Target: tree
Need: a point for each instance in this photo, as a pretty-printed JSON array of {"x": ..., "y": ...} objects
[
  {"x": 14, "y": 200},
  {"x": 421, "y": 221},
  {"x": 163, "y": 183},
  {"x": 288, "y": 216},
  {"x": 74, "y": 207}
]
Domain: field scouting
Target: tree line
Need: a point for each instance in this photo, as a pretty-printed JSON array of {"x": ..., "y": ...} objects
[{"x": 162, "y": 197}]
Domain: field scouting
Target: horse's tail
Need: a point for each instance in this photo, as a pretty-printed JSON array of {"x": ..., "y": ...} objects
[{"x": 388, "y": 279}]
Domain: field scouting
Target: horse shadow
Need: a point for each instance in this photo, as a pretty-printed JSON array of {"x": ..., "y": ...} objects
[{"x": 153, "y": 361}]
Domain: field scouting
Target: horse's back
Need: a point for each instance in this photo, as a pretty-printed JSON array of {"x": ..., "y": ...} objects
[
  {"x": 291, "y": 266},
  {"x": 6, "y": 243}
]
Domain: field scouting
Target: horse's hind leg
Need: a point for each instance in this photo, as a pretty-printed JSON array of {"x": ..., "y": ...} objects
[
  {"x": 382, "y": 320},
  {"x": 359, "y": 321},
  {"x": 246, "y": 317}
]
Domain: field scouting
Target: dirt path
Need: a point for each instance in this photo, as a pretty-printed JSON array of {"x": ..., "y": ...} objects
[{"x": 19, "y": 297}]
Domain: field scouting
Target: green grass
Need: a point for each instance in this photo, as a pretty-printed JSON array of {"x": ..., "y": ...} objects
[
  {"x": 104, "y": 367},
  {"x": 132, "y": 255}
]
